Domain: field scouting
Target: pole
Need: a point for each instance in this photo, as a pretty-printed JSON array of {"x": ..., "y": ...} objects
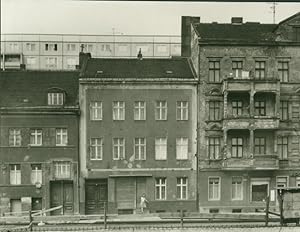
[
  {"x": 267, "y": 210},
  {"x": 181, "y": 218},
  {"x": 30, "y": 221},
  {"x": 105, "y": 217}
]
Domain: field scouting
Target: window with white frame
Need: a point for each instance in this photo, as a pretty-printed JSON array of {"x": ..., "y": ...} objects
[
  {"x": 62, "y": 169},
  {"x": 161, "y": 148},
  {"x": 182, "y": 188},
  {"x": 140, "y": 148},
  {"x": 96, "y": 148},
  {"x": 237, "y": 147},
  {"x": 36, "y": 137},
  {"x": 14, "y": 47},
  {"x": 259, "y": 189},
  {"x": 237, "y": 188},
  {"x": 282, "y": 182},
  {"x": 182, "y": 112},
  {"x": 71, "y": 63},
  {"x": 36, "y": 174},
  {"x": 283, "y": 71},
  {"x": 61, "y": 137},
  {"x": 105, "y": 48},
  {"x": 30, "y": 46},
  {"x": 214, "y": 145},
  {"x": 71, "y": 47},
  {"x": 51, "y": 62},
  {"x": 282, "y": 147},
  {"x": 50, "y": 47},
  {"x": 139, "y": 110},
  {"x": 161, "y": 110},
  {"x": 160, "y": 188},
  {"x": 182, "y": 148},
  {"x": 30, "y": 60},
  {"x": 118, "y": 110},
  {"x": 15, "y": 174},
  {"x": 14, "y": 137},
  {"x": 96, "y": 110},
  {"x": 118, "y": 148},
  {"x": 55, "y": 98},
  {"x": 214, "y": 188}
]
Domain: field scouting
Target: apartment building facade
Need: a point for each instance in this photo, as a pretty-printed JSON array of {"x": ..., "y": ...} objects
[
  {"x": 60, "y": 51},
  {"x": 39, "y": 116},
  {"x": 249, "y": 119},
  {"x": 138, "y": 135}
]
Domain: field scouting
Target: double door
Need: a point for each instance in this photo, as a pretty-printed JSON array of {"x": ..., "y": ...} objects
[
  {"x": 95, "y": 196},
  {"x": 62, "y": 194}
]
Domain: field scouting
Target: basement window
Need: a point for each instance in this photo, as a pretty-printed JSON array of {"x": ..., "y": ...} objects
[
  {"x": 169, "y": 72},
  {"x": 236, "y": 210},
  {"x": 213, "y": 210}
]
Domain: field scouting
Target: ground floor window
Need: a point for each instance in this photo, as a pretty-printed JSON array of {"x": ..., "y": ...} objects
[
  {"x": 259, "y": 189},
  {"x": 214, "y": 188},
  {"x": 237, "y": 188}
]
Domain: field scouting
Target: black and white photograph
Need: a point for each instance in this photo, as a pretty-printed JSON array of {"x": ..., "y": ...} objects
[{"x": 140, "y": 116}]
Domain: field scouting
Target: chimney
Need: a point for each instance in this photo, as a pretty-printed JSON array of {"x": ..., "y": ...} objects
[
  {"x": 237, "y": 20},
  {"x": 186, "y": 22},
  {"x": 140, "y": 55},
  {"x": 83, "y": 57}
]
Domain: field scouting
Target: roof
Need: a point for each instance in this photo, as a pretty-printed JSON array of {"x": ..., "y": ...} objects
[
  {"x": 17, "y": 86},
  {"x": 136, "y": 68},
  {"x": 251, "y": 32}
]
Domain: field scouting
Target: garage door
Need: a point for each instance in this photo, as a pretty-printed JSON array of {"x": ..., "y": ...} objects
[{"x": 126, "y": 193}]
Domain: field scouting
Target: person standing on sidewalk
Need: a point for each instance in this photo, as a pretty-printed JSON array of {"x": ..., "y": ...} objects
[{"x": 144, "y": 202}]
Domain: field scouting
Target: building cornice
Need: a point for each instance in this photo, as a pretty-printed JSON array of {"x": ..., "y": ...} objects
[{"x": 37, "y": 110}]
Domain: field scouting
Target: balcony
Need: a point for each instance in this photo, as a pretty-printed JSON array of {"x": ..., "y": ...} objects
[
  {"x": 266, "y": 162},
  {"x": 256, "y": 122}
]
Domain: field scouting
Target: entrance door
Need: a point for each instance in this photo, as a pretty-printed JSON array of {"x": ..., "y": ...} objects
[
  {"x": 36, "y": 204},
  {"x": 126, "y": 193},
  {"x": 61, "y": 193},
  {"x": 95, "y": 196}
]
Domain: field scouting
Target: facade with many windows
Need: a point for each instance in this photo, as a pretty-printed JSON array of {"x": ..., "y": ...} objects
[
  {"x": 249, "y": 111},
  {"x": 39, "y": 117},
  {"x": 138, "y": 135}
]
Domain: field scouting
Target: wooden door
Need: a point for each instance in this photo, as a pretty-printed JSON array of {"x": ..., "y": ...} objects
[
  {"x": 68, "y": 198},
  {"x": 126, "y": 193},
  {"x": 61, "y": 194},
  {"x": 56, "y": 196},
  {"x": 95, "y": 196}
]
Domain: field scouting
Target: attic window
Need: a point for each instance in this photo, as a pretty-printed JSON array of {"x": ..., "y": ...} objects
[
  {"x": 169, "y": 72},
  {"x": 55, "y": 98}
]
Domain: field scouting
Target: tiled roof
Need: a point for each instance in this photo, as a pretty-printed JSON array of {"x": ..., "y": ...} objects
[
  {"x": 17, "y": 86},
  {"x": 135, "y": 68},
  {"x": 251, "y": 32}
]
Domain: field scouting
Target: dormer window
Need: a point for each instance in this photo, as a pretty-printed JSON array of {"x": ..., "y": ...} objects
[{"x": 56, "y": 98}]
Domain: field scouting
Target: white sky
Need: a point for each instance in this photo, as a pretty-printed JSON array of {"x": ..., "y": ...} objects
[{"x": 146, "y": 18}]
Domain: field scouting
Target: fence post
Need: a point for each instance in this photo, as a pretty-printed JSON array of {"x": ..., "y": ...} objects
[
  {"x": 105, "y": 217},
  {"x": 267, "y": 210},
  {"x": 181, "y": 218},
  {"x": 30, "y": 221}
]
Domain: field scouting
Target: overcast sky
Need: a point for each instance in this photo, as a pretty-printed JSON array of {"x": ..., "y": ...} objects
[{"x": 151, "y": 18}]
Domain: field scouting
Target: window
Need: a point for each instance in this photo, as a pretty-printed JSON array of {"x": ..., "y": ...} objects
[
  {"x": 237, "y": 108},
  {"x": 50, "y": 47},
  {"x": 260, "y": 70},
  {"x": 295, "y": 111},
  {"x": 31, "y": 60},
  {"x": 214, "y": 110},
  {"x": 214, "y": 148},
  {"x": 260, "y": 145},
  {"x": 283, "y": 71},
  {"x": 237, "y": 188},
  {"x": 36, "y": 174},
  {"x": 36, "y": 137},
  {"x": 118, "y": 148},
  {"x": 284, "y": 110},
  {"x": 15, "y": 174},
  {"x": 182, "y": 148},
  {"x": 182, "y": 112},
  {"x": 281, "y": 181},
  {"x": 162, "y": 48},
  {"x": 15, "y": 137},
  {"x": 118, "y": 110},
  {"x": 51, "y": 62},
  {"x": 259, "y": 190},
  {"x": 71, "y": 63},
  {"x": 14, "y": 47},
  {"x": 62, "y": 169},
  {"x": 96, "y": 110},
  {"x": 88, "y": 47},
  {"x": 260, "y": 108},
  {"x": 298, "y": 182},
  {"x": 71, "y": 47},
  {"x": 214, "y": 71},
  {"x": 236, "y": 147},
  {"x": 282, "y": 146},
  {"x": 105, "y": 47},
  {"x": 96, "y": 148},
  {"x": 161, "y": 148},
  {"x": 214, "y": 188},
  {"x": 160, "y": 188},
  {"x": 61, "y": 137},
  {"x": 30, "y": 47},
  {"x": 161, "y": 110},
  {"x": 139, "y": 110},
  {"x": 237, "y": 68},
  {"x": 181, "y": 188},
  {"x": 123, "y": 48},
  {"x": 140, "y": 148},
  {"x": 55, "y": 98}
]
